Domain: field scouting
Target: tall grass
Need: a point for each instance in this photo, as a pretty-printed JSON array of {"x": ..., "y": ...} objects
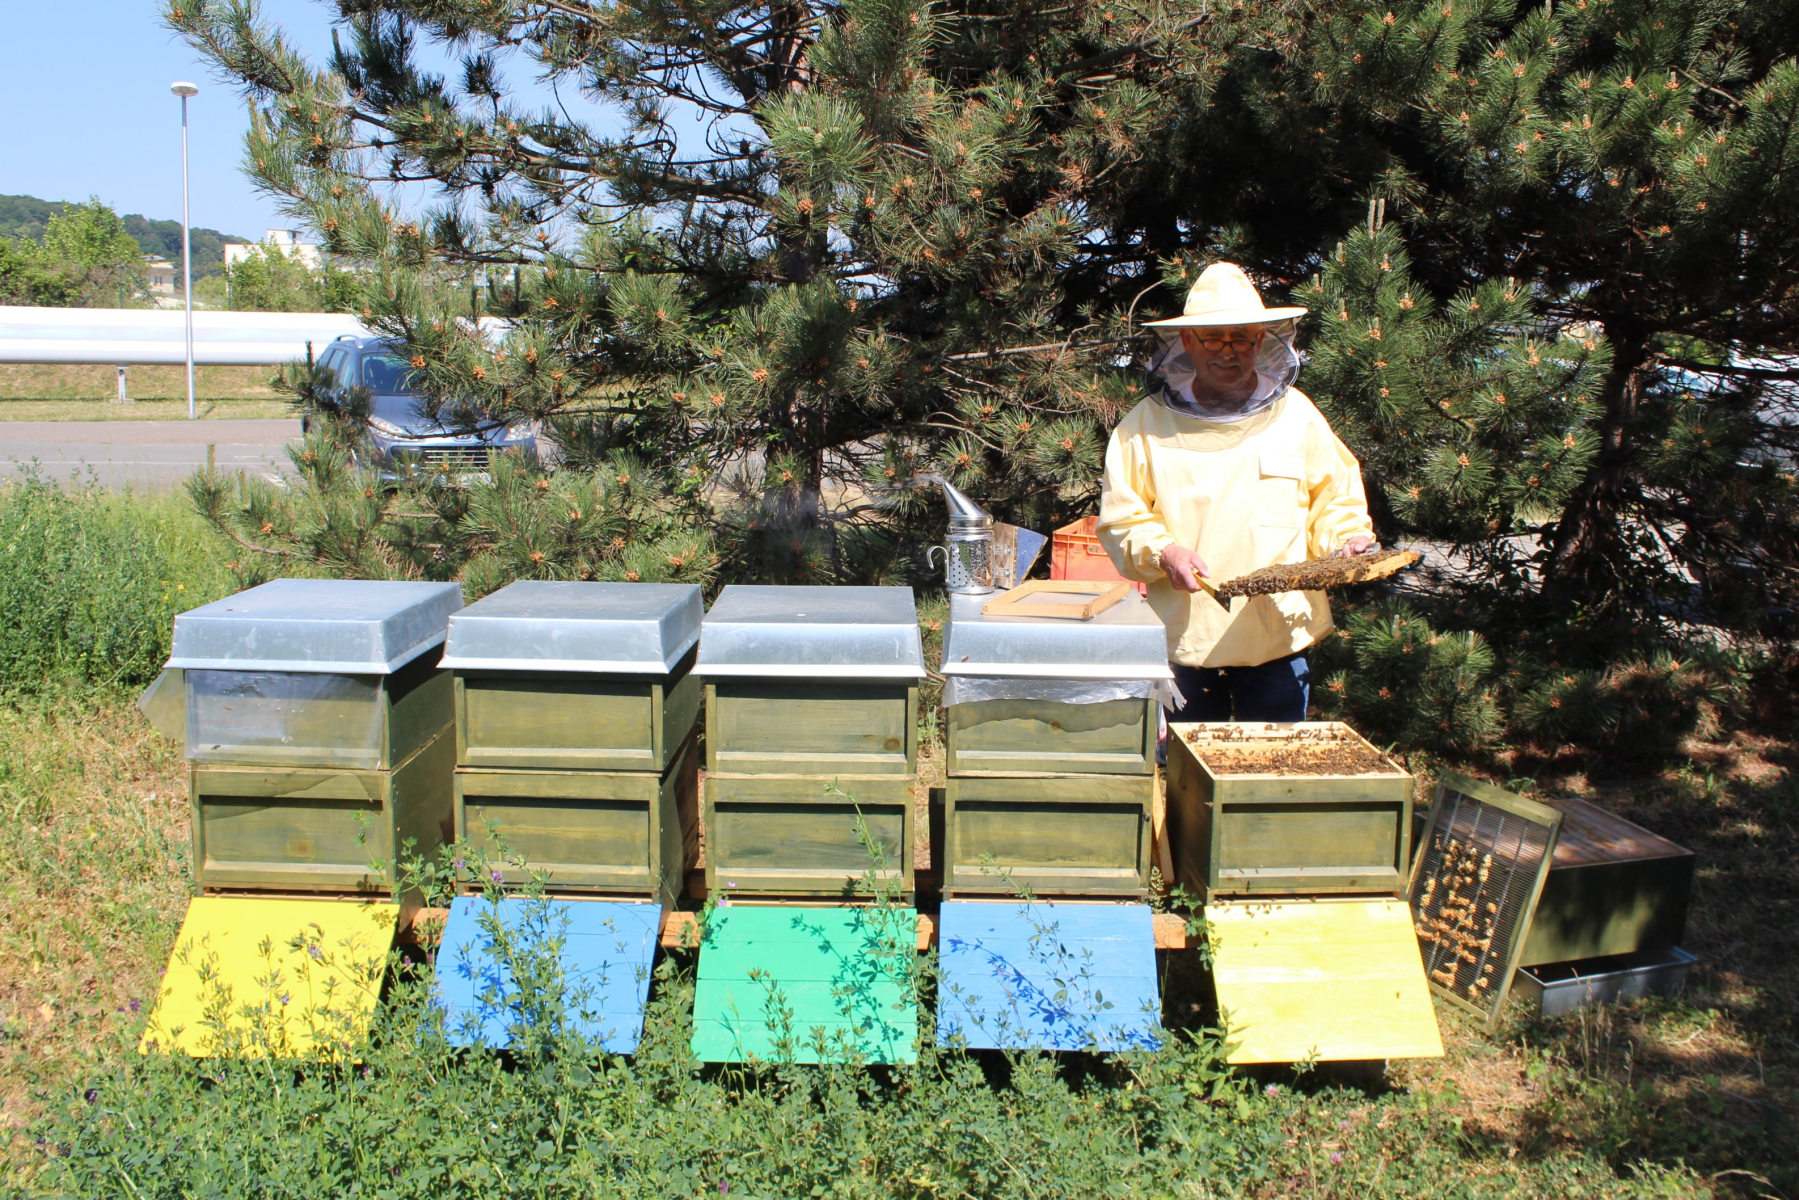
[{"x": 90, "y": 582}]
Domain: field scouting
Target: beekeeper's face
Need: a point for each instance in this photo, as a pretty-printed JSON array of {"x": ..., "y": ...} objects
[{"x": 1224, "y": 357}]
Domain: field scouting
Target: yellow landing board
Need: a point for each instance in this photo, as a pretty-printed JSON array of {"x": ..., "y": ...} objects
[
  {"x": 1325, "y": 981},
  {"x": 255, "y": 977}
]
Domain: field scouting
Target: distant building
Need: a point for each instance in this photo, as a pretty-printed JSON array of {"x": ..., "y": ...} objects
[
  {"x": 159, "y": 275},
  {"x": 287, "y": 241}
]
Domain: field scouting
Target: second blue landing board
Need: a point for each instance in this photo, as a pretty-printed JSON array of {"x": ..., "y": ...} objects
[
  {"x": 525, "y": 967},
  {"x": 1047, "y": 976}
]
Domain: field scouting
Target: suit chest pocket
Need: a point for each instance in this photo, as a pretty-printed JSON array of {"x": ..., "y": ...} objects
[{"x": 1280, "y": 491}]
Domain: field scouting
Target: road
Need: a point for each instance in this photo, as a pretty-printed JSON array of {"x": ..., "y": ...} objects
[{"x": 142, "y": 453}]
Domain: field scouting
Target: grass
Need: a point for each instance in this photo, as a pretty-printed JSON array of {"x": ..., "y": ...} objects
[{"x": 66, "y": 392}]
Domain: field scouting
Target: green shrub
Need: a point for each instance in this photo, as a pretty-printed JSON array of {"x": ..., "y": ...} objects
[
  {"x": 1402, "y": 682},
  {"x": 90, "y": 582}
]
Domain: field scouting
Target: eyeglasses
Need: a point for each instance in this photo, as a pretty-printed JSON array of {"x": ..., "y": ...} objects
[{"x": 1239, "y": 344}]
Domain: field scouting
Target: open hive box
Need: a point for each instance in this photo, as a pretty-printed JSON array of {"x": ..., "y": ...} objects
[
  {"x": 317, "y": 726},
  {"x": 1298, "y": 837},
  {"x": 1307, "y": 808},
  {"x": 811, "y": 728},
  {"x": 576, "y": 732}
]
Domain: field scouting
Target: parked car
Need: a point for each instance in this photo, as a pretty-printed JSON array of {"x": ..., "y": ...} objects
[{"x": 407, "y": 436}]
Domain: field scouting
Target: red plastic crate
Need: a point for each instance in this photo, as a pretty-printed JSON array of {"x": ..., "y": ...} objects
[{"x": 1075, "y": 553}]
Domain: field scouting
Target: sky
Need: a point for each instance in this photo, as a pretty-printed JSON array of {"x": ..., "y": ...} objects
[{"x": 88, "y": 111}]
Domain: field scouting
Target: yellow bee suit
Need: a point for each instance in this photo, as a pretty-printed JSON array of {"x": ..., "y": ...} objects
[{"x": 1277, "y": 487}]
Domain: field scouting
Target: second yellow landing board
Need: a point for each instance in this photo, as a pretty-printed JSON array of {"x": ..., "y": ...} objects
[
  {"x": 256, "y": 977},
  {"x": 1325, "y": 981}
]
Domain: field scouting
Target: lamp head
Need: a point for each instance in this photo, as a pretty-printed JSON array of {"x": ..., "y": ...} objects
[{"x": 184, "y": 89}]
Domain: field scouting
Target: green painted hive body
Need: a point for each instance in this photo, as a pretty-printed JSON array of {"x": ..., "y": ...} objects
[
  {"x": 576, "y": 734},
  {"x": 811, "y": 738},
  {"x": 1050, "y": 749},
  {"x": 1269, "y": 835},
  {"x": 1613, "y": 888},
  {"x": 318, "y": 729}
]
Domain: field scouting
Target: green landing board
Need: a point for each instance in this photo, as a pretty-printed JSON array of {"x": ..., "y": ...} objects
[{"x": 807, "y": 984}]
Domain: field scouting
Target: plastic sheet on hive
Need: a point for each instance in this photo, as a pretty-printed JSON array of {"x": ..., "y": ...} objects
[
  {"x": 284, "y": 718},
  {"x": 521, "y": 969},
  {"x": 253, "y": 977},
  {"x": 807, "y": 985},
  {"x": 1324, "y": 981},
  {"x": 1047, "y": 976}
]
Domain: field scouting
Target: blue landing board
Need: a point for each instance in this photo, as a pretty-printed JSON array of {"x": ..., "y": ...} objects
[
  {"x": 1047, "y": 976},
  {"x": 599, "y": 951}
]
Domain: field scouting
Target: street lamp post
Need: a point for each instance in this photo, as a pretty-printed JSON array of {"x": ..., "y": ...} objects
[{"x": 185, "y": 90}]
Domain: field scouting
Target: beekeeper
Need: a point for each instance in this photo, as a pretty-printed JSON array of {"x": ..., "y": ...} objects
[{"x": 1224, "y": 469}]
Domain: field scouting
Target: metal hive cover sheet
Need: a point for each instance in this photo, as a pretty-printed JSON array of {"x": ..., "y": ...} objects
[
  {"x": 344, "y": 626},
  {"x": 1321, "y": 981},
  {"x": 812, "y": 633},
  {"x": 1047, "y": 976},
  {"x": 1476, "y": 879},
  {"x": 254, "y": 977},
  {"x": 601, "y": 628},
  {"x": 1126, "y": 641},
  {"x": 807, "y": 984},
  {"x": 510, "y": 969}
]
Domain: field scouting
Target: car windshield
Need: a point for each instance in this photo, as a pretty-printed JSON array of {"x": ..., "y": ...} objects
[{"x": 388, "y": 376}]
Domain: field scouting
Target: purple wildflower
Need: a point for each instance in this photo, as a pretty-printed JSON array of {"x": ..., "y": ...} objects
[
  {"x": 133, "y": 1003},
  {"x": 1274, "y": 1089},
  {"x": 723, "y": 1187},
  {"x": 1336, "y": 1157},
  {"x": 497, "y": 877},
  {"x": 91, "y": 1095},
  {"x": 459, "y": 864}
]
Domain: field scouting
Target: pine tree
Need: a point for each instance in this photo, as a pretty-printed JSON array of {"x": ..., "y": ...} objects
[
  {"x": 892, "y": 245},
  {"x": 1625, "y": 168}
]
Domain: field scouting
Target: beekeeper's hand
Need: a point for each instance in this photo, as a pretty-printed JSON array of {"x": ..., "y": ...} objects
[
  {"x": 1184, "y": 568},
  {"x": 1361, "y": 543}
]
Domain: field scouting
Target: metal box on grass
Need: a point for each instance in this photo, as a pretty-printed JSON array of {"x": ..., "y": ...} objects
[
  {"x": 1556, "y": 989},
  {"x": 1613, "y": 888},
  {"x": 317, "y": 725},
  {"x": 1242, "y": 834},
  {"x": 576, "y": 748},
  {"x": 811, "y": 723}
]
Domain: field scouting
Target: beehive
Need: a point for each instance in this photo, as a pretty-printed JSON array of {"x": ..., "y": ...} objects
[
  {"x": 1242, "y": 825},
  {"x": 1613, "y": 888},
  {"x": 576, "y": 732},
  {"x": 318, "y": 732},
  {"x": 811, "y": 730},
  {"x": 1050, "y": 750}
]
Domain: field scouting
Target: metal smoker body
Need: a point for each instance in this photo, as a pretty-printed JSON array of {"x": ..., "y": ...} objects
[{"x": 968, "y": 550}]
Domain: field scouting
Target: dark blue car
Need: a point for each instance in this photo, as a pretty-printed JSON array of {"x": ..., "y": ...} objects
[{"x": 407, "y": 436}]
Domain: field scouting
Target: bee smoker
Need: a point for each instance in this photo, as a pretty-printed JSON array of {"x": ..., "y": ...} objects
[{"x": 968, "y": 550}]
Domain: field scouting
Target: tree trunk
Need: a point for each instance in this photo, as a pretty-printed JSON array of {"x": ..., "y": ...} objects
[{"x": 1586, "y": 551}]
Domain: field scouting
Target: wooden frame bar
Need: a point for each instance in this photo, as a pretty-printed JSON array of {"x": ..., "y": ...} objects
[{"x": 1036, "y": 598}]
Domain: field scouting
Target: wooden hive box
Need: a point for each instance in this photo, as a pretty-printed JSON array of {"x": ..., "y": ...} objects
[
  {"x": 576, "y": 732},
  {"x": 1613, "y": 888},
  {"x": 811, "y": 697},
  {"x": 1068, "y": 835},
  {"x": 318, "y": 730},
  {"x": 1051, "y": 750},
  {"x": 1239, "y": 832}
]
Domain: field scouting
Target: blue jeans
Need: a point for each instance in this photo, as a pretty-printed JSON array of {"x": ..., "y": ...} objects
[{"x": 1274, "y": 691}]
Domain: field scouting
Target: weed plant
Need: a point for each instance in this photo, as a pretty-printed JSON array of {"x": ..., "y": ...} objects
[{"x": 90, "y": 582}]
